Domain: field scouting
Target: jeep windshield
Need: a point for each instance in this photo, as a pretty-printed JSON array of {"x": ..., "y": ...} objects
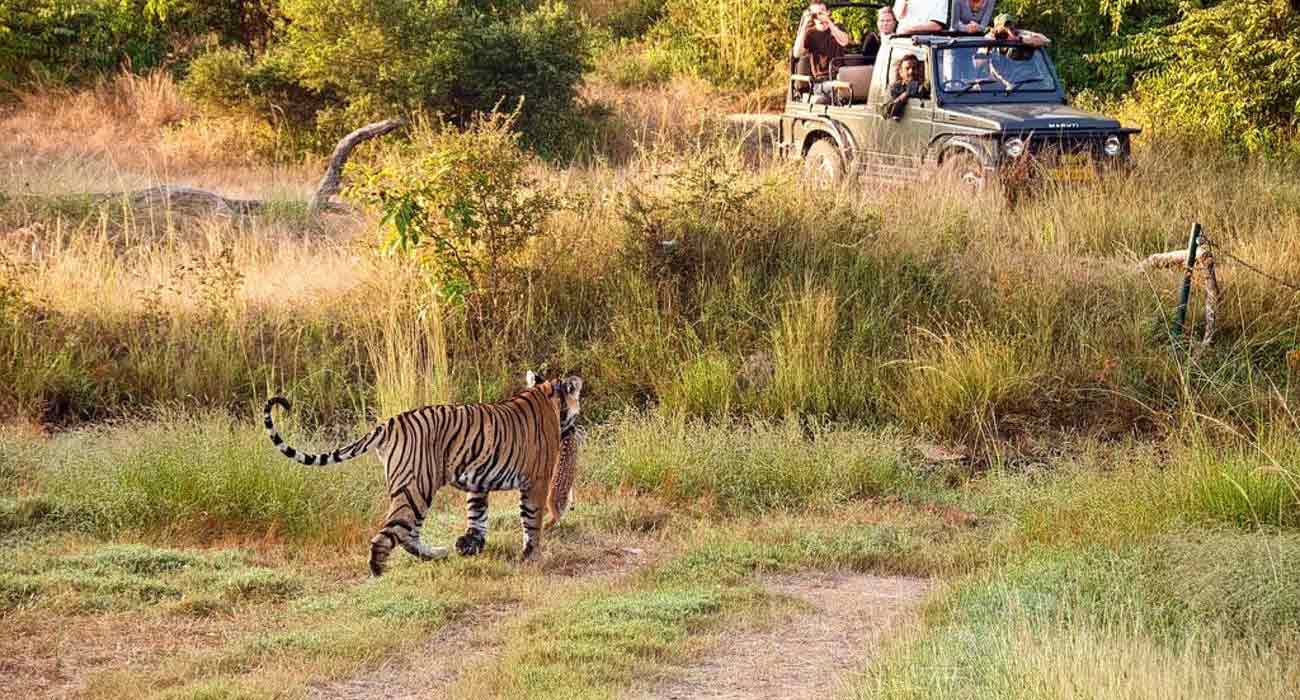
[{"x": 999, "y": 69}]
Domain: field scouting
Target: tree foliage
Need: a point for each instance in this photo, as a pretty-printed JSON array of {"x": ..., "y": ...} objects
[
  {"x": 1228, "y": 73},
  {"x": 70, "y": 39},
  {"x": 340, "y": 63}
]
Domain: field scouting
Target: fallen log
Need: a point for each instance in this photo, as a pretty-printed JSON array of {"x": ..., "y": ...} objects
[
  {"x": 1205, "y": 263},
  {"x": 193, "y": 200},
  {"x": 185, "y": 198},
  {"x": 1173, "y": 258}
]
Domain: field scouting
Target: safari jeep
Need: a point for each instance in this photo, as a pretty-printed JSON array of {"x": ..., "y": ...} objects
[{"x": 996, "y": 111}]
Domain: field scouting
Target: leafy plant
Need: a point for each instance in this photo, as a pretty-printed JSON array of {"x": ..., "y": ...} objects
[
  {"x": 1232, "y": 76},
  {"x": 463, "y": 203}
]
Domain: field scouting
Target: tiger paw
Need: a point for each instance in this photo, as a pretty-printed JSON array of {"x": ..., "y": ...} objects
[
  {"x": 470, "y": 543},
  {"x": 531, "y": 554}
]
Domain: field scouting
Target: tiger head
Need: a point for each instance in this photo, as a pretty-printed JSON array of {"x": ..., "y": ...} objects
[{"x": 566, "y": 397}]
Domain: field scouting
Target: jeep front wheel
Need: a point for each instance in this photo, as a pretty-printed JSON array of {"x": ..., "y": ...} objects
[
  {"x": 965, "y": 171},
  {"x": 823, "y": 165}
]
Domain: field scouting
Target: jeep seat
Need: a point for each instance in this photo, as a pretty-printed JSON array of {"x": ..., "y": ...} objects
[{"x": 858, "y": 80}]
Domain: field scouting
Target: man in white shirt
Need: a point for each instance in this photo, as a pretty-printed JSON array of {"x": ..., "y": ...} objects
[{"x": 921, "y": 16}]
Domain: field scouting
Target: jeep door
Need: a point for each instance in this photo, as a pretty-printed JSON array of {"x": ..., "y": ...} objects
[{"x": 900, "y": 144}]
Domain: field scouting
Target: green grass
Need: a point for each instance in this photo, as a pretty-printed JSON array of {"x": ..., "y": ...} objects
[
  {"x": 138, "y": 577},
  {"x": 1183, "y": 617},
  {"x": 738, "y": 465},
  {"x": 194, "y": 478},
  {"x": 594, "y": 646}
]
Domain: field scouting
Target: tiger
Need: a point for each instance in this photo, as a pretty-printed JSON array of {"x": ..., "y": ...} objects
[
  {"x": 558, "y": 501},
  {"x": 512, "y": 444}
]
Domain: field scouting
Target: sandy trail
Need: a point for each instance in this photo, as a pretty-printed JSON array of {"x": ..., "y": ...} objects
[{"x": 805, "y": 657}]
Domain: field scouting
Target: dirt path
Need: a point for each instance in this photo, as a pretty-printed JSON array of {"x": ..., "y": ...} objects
[
  {"x": 805, "y": 657},
  {"x": 422, "y": 671},
  {"x": 429, "y": 668}
]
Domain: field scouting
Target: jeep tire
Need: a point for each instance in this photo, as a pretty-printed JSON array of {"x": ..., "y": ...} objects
[
  {"x": 962, "y": 169},
  {"x": 823, "y": 166}
]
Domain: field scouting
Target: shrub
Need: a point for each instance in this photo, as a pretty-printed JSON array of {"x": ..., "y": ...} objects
[
  {"x": 342, "y": 63},
  {"x": 1232, "y": 75},
  {"x": 462, "y": 202}
]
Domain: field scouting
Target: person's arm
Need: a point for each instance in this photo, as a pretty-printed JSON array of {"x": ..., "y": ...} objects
[
  {"x": 985, "y": 17},
  {"x": 1034, "y": 38},
  {"x": 965, "y": 19},
  {"x": 841, "y": 37},
  {"x": 799, "y": 51}
]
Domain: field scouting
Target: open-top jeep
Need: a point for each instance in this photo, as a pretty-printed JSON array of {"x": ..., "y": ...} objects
[{"x": 995, "y": 109}]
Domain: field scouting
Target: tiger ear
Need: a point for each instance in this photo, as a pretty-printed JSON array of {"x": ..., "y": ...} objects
[
  {"x": 573, "y": 385},
  {"x": 530, "y": 379}
]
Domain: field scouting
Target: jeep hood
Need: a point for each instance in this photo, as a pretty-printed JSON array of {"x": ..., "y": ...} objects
[{"x": 1028, "y": 117}]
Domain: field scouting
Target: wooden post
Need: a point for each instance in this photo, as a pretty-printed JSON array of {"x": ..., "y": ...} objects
[{"x": 1180, "y": 313}]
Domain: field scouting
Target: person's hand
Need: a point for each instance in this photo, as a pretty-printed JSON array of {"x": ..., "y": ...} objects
[{"x": 972, "y": 27}]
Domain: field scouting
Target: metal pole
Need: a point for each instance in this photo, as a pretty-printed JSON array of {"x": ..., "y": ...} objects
[{"x": 1180, "y": 314}]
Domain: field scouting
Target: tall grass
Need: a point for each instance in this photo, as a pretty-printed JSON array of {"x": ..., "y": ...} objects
[
  {"x": 411, "y": 365},
  {"x": 744, "y": 466},
  {"x": 1188, "y": 618},
  {"x": 662, "y": 280},
  {"x": 197, "y": 479}
]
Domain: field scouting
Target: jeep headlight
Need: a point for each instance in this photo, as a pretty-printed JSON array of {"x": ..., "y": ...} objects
[
  {"x": 1014, "y": 147},
  {"x": 1113, "y": 146}
]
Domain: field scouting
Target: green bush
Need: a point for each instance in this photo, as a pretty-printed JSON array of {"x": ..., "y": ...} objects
[
  {"x": 75, "y": 39},
  {"x": 342, "y": 63},
  {"x": 463, "y": 204},
  {"x": 1232, "y": 76}
]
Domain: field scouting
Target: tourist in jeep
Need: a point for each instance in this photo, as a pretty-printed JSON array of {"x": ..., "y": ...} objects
[
  {"x": 886, "y": 25},
  {"x": 821, "y": 40},
  {"x": 921, "y": 16},
  {"x": 909, "y": 82},
  {"x": 1005, "y": 29},
  {"x": 973, "y": 16}
]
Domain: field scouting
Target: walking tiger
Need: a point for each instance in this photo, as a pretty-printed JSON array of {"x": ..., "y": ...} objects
[{"x": 513, "y": 444}]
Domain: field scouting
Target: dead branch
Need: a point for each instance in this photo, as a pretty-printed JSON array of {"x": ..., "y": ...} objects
[
  {"x": 1206, "y": 260},
  {"x": 1173, "y": 258},
  {"x": 331, "y": 182}
]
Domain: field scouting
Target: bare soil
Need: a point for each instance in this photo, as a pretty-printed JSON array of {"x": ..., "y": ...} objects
[
  {"x": 423, "y": 671},
  {"x": 809, "y": 656}
]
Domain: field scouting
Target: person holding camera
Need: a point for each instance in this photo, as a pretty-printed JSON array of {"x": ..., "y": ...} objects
[{"x": 821, "y": 40}]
